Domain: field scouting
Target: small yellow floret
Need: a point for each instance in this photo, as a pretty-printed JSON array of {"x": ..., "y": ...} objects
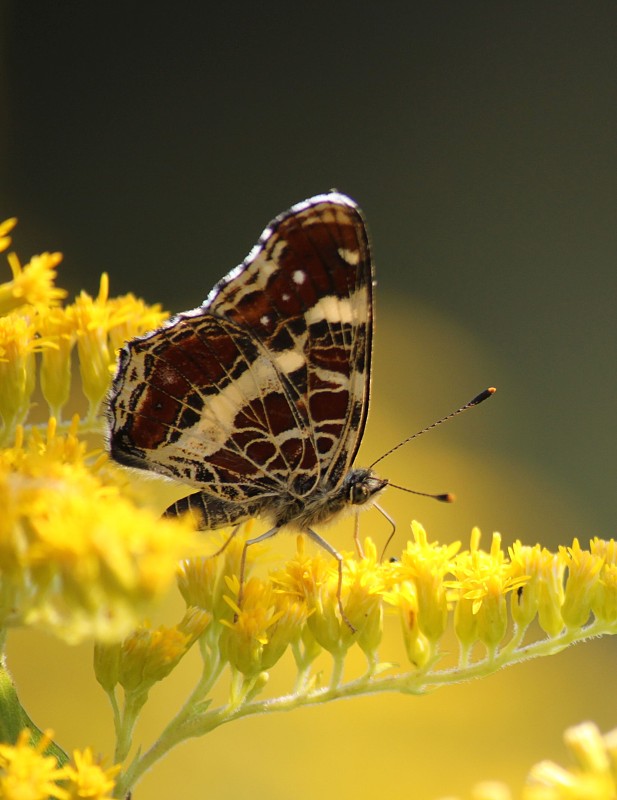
[
  {"x": 86, "y": 778},
  {"x": 5, "y": 228},
  {"x": 32, "y": 284},
  {"x": 265, "y": 624},
  {"x": 27, "y": 774}
]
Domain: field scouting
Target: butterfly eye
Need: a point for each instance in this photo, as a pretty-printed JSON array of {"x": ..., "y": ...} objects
[{"x": 359, "y": 493}]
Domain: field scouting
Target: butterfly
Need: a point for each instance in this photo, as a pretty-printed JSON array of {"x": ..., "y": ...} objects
[{"x": 259, "y": 397}]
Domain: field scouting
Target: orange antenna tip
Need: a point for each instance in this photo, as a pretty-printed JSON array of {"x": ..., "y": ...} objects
[{"x": 482, "y": 396}]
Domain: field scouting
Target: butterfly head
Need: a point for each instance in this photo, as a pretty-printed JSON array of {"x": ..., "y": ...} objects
[{"x": 362, "y": 486}]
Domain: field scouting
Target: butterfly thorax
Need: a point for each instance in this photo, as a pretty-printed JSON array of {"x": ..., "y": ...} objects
[{"x": 358, "y": 490}]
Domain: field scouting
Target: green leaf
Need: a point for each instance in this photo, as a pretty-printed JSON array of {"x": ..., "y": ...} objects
[{"x": 13, "y": 718}]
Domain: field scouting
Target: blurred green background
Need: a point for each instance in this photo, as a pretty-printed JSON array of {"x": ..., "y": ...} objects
[{"x": 156, "y": 141}]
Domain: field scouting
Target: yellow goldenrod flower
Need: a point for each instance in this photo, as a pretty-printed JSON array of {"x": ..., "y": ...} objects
[
  {"x": 250, "y": 643},
  {"x": 607, "y": 549},
  {"x": 96, "y": 357},
  {"x": 47, "y": 456},
  {"x": 102, "y": 325},
  {"x": 202, "y": 580},
  {"x": 426, "y": 566},
  {"x": 482, "y": 581},
  {"x": 419, "y": 594},
  {"x": 149, "y": 654},
  {"x": 604, "y": 604},
  {"x": 404, "y": 597},
  {"x": 5, "y": 228},
  {"x": 583, "y": 570},
  {"x": 18, "y": 344},
  {"x": 287, "y": 621},
  {"x": 100, "y": 561},
  {"x": 32, "y": 284},
  {"x": 27, "y": 774},
  {"x": 199, "y": 582},
  {"x": 525, "y": 562},
  {"x": 605, "y": 599},
  {"x": 544, "y": 589},
  {"x": 75, "y": 556},
  {"x": 131, "y": 317},
  {"x": 194, "y": 622},
  {"x": 365, "y": 581},
  {"x": 85, "y": 777},
  {"x": 314, "y": 581},
  {"x": 57, "y": 325}
]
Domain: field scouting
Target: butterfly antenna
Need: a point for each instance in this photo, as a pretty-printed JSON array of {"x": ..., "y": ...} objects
[
  {"x": 471, "y": 404},
  {"x": 444, "y": 497}
]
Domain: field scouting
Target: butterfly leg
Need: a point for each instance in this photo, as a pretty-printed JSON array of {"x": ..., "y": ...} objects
[
  {"x": 356, "y": 536},
  {"x": 247, "y": 544},
  {"x": 392, "y": 522},
  {"x": 339, "y": 558},
  {"x": 227, "y": 541}
]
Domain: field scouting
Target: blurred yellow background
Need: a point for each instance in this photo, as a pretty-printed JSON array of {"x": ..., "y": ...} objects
[{"x": 479, "y": 140}]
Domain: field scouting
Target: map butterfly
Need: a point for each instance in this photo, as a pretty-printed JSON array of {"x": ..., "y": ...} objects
[{"x": 258, "y": 398}]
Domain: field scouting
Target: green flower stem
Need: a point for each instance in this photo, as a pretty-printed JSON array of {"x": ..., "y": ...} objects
[
  {"x": 210, "y": 675},
  {"x": 133, "y": 704},
  {"x": 303, "y": 679},
  {"x": 113, "y": 700},
  {"x": 194, "y": 704},
  {"x": 338, "y": 665},
  {"x": 193, "y": 722}
]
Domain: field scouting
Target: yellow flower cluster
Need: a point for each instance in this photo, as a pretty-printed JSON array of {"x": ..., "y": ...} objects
[
  {"x": 485, "y": 601},
  {"x": 28, "y": 773},
  {"x": 148, "y": 654},
  {"x": 77, "y": 557},
  {"x": 32, "y": 320},
  {"x": 486, "y": 598}
]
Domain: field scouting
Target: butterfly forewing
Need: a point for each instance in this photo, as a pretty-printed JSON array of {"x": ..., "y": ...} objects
[
  {"x": 307, "y": 294},
  {"x": 263, "y": 390}
]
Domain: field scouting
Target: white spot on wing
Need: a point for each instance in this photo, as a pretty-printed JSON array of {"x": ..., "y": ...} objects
[
  {"x": 352, "y": 309},
  {"x": 277, "y": 250},
  {"x": 351, "y": 257},
  {"x": 331, "y": 309},
  {"x": 299, "y": 277},
  {"x": 289, "y": 360}
]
